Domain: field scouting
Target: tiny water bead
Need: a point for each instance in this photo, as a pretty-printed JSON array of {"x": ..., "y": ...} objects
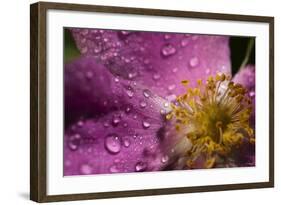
[
  {"x": 126, "y": 142},
  {"x": 145, "y": 124},
  {"x": 146, "y": 93},
  {"x": 143, "y": 104},
  {"x": 156, "y": 76},
  {"x": 214, "y": 116},
  {"x": 113, "y": 143},
  {"x": 140, "y": 166},
  {"x": 168, "y": 50},
  {"x": 74, "y": 142},
  {"x": 114, "y": 169},
  {"x": 184, "y": 42},
  {"x": 130, "y": 92},
  {"x": 115, "y": 120},
  {"x": 194, "y": 61},
  {"x": 165, "y": 159},
  {"x": 85, "y": 169}
]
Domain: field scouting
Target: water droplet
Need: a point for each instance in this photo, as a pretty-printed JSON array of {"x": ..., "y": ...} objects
[
  {"x": 135, "y": 116},
  {"x": 115, "y": 120},
  {"x": 208, "y": 71},
  {"x": 116, "y": 79},
  {"x": 85, "y": 169},
  {"x": 167, "y": 36},
  {"x": 162, "y": 112},
  {"x": 126, "y": 142},
  {"x": 146, "y": 93},
  {"x": 84, "y": 50},
  {"x": 175, "y": 70},
  {"x": 171, "y": 87},
  {"x": 84, "y": 32},
  {"x": 83, "y": 40},
  {"x": 80, "y": 123},
  {"x": 141, "y": 166},
  {"x": 125, "y": 32},
  {"x": 156, "y": 76},
  {"x": 252, "y": 93},
  {"x": 113, "y": 143},
  {"x": 164, "y": 159},
  {"x": 132, "y": 75},
  {"x": 166, "y": 104},
  {"x": 195, "y": 37},
  {"x": 168, "y": 50},
  {"x": 143, "y": 104},
  {"x": 145, "y": 124},
  {"x": 193, "y": 61},
  {"x": 114, "y": 169},
  {"x": 97, "y": 49},
  {"x": 128, "y": 109},
  {"x": 89, "y": 75},
  {"x": 146, "y": 61},
  {"x": 125, "y": 124},
  {"x": 130, "y": 92},
  {"x": 184, "y": 42},
  {"x": 74, "y": 142},
  {"x": 106, "y": 124}
]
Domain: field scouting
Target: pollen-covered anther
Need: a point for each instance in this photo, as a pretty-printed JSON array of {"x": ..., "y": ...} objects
[{"x": 214, "y": 116}]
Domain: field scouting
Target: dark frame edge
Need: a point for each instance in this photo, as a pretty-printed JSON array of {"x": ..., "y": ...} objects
[
  {"x": 271, "y": 100},
  {"x": 154, "y": 192},
  {"x": 37, "y": 104}
]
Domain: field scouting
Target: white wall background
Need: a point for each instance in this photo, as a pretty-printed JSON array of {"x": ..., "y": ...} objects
[{"x": 14, "y": 101}]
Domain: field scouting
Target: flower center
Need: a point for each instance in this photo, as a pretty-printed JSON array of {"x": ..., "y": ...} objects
[{"x": 214, "y": 116}]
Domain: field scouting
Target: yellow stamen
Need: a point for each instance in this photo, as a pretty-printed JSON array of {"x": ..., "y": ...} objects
[{"x": 219, "y": 118}]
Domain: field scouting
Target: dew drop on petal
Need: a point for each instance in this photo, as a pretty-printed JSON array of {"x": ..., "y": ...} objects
[
  {"x": 85, "y": 169},
  {"x": 171, "y": 87},
  {"x": 89, "y": 75},
  {"x": 156, "y": 76},
  {"x": 162, "y": 112},
  {"x": 128, "y": 109},
  {"x": 125, "y": 124},
  {"x": 106, "y": 124},
  {"x": 116, "y": 79},
  {"x": 130, "y": 93},
  {"x": 114, "y": 169},
  {"x": 184, "y": 42},
  {"x": 168, "y": 50},
  {"x": 146, "y": 93},
  {"x": 252, "y": 94},
  {"x": 74, "y": 142},
  {"x": 126, "y": 142},
  {"x": 143, "y": 104},
  {"x": 80, "y": 123},
  {"x": 132, "y": 75},
  {"x": 166, "y": 104},
  {"x": 115, "y": 120},
  {"x": 145, "y": 124},
  {"x": 112, "y": 143},
  {"x": 140, "y": 166},
  {"x": 164, "y": 159},
  {"x": 84, "y": 50},
  {"x": 193, "y": 61},
  {"x": 84, "y": 32},
  {"x": 175, "y": 70}
]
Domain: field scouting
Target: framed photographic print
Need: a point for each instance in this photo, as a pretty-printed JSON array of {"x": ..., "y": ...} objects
[{"x": 133, "y": 102}]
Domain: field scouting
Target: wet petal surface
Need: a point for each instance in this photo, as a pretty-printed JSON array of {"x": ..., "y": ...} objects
[
  {"x": 117, "y": 142},
  {"x": 157, "y": 60}
]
